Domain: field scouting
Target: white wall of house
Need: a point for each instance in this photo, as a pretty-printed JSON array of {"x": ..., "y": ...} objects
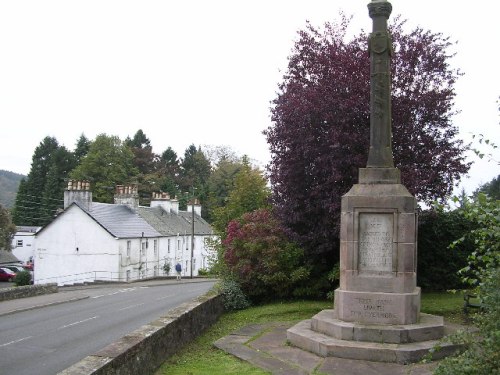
[
  {"x": 74, "y": 248},
  {"x": 179, "y": 250},
  {"x": 23, "y": 246},
  {"x": 139, "y": 258}
]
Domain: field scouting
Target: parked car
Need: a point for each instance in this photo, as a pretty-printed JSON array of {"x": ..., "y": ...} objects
[
  {"x": 13, "y": 268},
  {"x": 7, "y": 274}
]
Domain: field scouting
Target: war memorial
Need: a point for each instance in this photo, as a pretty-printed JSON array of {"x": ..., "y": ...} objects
[{"x": 376, "y": 314}]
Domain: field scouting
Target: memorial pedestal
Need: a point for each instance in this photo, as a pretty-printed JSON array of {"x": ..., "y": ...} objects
[
  {"x": 378, "y": 245},
  {"x": 376, "y": 315}
]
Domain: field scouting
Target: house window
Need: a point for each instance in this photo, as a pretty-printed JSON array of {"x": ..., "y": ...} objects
[
  {"x": 143, "y": 248},
  {"x": 19, "y": 243},
  {"x": 168, "y": 246},
  {"x": 129, "y": 245},
  {"x": 186, "y": 266},
  {"x": 179, "y": 245},
  {"x": 156, "y": 271},
  {"x": 155, "y": 246}
]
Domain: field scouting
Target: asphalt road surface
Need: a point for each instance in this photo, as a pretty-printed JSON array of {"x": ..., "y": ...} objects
[{"x": 50, "y": 339}]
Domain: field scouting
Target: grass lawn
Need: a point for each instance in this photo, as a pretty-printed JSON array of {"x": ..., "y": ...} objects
[{"x": 200, "y": 357}]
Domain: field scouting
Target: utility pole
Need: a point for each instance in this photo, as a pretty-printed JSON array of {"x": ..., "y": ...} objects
[{"x": 192, "y": 232}]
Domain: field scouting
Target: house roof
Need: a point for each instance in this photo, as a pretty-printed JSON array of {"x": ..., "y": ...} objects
[
  {"x": 121, "y": 221},
  {"x": 118, "y": 220},
  {"x": 6, "y": 257},
  {"x": 171, "y": 223},
  {"x": 27, "y": 229}
]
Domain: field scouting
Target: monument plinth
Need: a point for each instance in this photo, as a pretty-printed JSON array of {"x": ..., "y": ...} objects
[{"x": 377, "y": 305}]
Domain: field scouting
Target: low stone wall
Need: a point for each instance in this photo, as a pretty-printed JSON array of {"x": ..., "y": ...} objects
[
  {"x": 144, "y": 350},
  {"x": 27, "y": 291}
]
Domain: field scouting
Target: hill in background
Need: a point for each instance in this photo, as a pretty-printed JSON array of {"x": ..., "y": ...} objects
[{"x": 9, "y": 183}]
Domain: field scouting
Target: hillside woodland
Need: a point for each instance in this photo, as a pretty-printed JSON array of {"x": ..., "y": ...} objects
[{"x": 9, "y": 184}]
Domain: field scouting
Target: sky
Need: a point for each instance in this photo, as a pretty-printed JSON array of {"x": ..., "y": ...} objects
[{"x": 201, "y": 72}]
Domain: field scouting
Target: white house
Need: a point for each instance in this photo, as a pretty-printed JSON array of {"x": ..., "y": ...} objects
[
  {"x": 23, "y": 243},
  {"x": 181, "y": 241},
  {"x": 98, "y": 241}
]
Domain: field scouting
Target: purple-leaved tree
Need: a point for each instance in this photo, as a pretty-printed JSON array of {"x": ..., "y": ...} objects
[{"x": 320, "y": 132}]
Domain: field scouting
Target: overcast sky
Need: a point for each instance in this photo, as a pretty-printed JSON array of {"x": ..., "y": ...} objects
[{"x": 198, "y": 71}]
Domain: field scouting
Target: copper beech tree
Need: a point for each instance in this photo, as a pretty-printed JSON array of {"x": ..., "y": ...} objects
[{"x": 321, "y": 119}]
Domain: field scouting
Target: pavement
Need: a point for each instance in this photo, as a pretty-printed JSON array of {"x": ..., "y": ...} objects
[
  {"x": 266, "y": 346},
  {"x": 75, "y": 293}
]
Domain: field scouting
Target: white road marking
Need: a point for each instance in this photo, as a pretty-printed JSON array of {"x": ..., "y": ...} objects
[
  {"x": 118, "y": 292},
  {"x": 130, "y": 307},
  {"x": 16, "y": 341},
  {"x": 75, "y": 323}
]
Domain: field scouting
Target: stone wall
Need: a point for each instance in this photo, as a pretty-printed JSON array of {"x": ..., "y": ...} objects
[
  {"x": 145, "y": 349},
  {"x": 27, "y": 291}
]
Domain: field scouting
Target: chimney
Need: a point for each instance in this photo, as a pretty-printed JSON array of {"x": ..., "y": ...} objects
[
  {"x": 161, "y": 200},
  {"x": 197, "y": 207},
  {"x": 79, "y": 192},
  {"x": 127, "y": 195},
  {"x": 175, "y": 205}
]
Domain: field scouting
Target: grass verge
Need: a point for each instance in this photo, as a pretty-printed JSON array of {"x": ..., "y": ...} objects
[{"x": 200, "y": 357}]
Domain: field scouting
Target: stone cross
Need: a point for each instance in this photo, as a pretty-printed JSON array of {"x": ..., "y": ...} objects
[{"x": 380, "y": 47}]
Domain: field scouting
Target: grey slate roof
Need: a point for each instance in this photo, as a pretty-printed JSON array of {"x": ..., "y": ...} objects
[
  {"x": 171, "y": 224},
  {"x": 118, "y": 220},
  {"x": 6, "y": 257},
  {"x": 27, "y": 229},
  {"x": 121, "y": 221}
]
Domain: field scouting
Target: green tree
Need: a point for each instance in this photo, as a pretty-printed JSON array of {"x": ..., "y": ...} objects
[
  {"x": 7, "y": 229},
  {"x": 250, "y": 193},
  {"x": 169, "y": 168},
  {"x": 144, "y": 158},
  {"x": 492, "y": 188},
  {"x": 82, "y": 148},
  {"x": 20, "y": 209},
  {"x": 221, "y": 183},
  {"x": 195, "y": 172},
  {"x": 41, "y": 196},
  {"x": 108, "y": 163}
]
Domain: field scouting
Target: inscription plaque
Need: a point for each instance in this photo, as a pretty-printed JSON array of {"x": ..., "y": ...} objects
[{"x": 375, "y": 242}]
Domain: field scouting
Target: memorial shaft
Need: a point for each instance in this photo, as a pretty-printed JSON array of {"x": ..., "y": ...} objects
[{"x": 380, "y": 48}]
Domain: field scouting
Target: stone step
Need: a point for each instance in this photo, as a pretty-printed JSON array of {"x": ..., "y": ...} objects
[
  {"x": 301, "y": 335},
  {"x": 429, "y": 327}
]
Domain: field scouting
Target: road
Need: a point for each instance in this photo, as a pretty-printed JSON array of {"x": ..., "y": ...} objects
[{"x": 50, "y": 339}]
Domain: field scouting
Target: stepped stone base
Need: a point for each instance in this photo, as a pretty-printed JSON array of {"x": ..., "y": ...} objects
[
  {"x": 429, "y": 327},
  {"x": 330, "y": 337}
]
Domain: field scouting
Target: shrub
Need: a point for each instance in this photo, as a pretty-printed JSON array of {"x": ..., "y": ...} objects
[
  {"x": 261, "y": 258},
  {"x": 482, "y": 356},
  {"x": 482, "y": 273},
  {"x": 166, "y": 267},
  {"x": 484, "y": 212},
  {"x": 438, "y": 265},
  {"x": 22, "y": 278},
  {"x": 234, "y": 298}
]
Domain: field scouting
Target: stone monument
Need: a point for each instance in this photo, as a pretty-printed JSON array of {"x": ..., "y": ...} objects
[{"x": 377, "y": 305}]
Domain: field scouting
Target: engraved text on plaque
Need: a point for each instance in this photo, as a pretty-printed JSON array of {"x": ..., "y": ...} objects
[{"x": 375, "y": 241}]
